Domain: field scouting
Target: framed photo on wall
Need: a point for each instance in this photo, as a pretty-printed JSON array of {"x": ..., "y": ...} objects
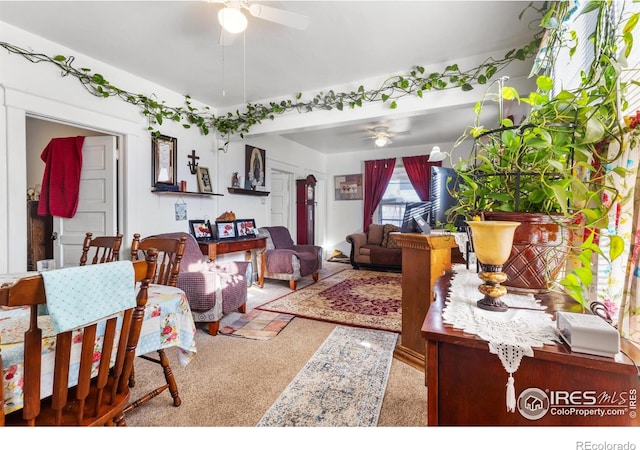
[
  {"x": 200, "y": 229},
  {"x": 204, "y": 180},
  {"x": 255, "y": 166},
  {"x": 164, "y": 150},
  {"x": 348, "y": 187},
  {"x": 226, "y": 229},
  {"x": 246, "y": 228}
]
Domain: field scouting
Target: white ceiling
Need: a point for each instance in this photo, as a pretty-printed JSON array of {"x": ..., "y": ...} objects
[{"x": 176, "y": 44}]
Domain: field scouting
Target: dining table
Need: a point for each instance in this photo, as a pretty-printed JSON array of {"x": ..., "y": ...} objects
[{"x": 167, "y": 323}]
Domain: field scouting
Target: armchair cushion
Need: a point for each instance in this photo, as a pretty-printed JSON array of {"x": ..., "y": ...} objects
[{"x": 375, "y": 235}]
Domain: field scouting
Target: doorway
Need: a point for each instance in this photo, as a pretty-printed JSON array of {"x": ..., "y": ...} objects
[
  {"x": 98, "y": 208},
  {"x": 281, "y": 194}
]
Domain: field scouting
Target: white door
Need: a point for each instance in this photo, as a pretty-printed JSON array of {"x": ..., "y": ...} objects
[
  {"x": 280, "y": 195},
  {"x": 97, "y": 203}
]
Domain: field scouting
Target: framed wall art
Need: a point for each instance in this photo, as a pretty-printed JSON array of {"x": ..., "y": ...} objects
[
  {"x": 225, "y": 229},
  {"x": 255, "y": 166},
  {"x": 348, "y": 187},
  {"x": 200, "y": 229},
  {"x": 164, "y": 150},
  {"x": 204, "y": 180},
  {"x": 246, "y": 228}
]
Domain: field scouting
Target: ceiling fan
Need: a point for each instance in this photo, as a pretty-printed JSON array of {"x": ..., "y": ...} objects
[
  {"x": 382, "y": 136},
  {"x": 233, "y": 20}
]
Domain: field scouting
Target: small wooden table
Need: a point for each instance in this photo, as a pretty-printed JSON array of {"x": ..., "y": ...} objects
[
  {"x": 466, "y": 383},
  {"x": 214, "y": 248}
]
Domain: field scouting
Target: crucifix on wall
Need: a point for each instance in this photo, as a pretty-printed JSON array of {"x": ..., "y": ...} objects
[{"x": 193, "y": 165}]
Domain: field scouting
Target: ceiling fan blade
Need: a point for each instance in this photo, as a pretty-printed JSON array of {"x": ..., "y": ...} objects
[{"x": 280, "y": 16}]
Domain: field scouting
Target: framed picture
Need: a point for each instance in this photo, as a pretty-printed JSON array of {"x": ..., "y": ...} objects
[
  {"x": 246, "y": 228},
  {"x": 163, "y": 160},
  {"x": 200, "y": 229},
  {"x": 348, "y": 187},
  {"x": 204, "y": 180},
  {"x": 226, "y": 229},
  {"x": 255, "y": 163}
]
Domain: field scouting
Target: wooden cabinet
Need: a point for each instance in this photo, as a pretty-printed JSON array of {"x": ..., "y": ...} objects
[
  {"x": 466, "y": 384},
  {"x": 305, "y": 210},
  {"x": 425, "y": 257},
  {"x": 39, "y": 232}
]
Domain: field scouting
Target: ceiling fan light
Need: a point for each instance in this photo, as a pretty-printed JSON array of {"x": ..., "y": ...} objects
[
  {"x": 381, "y": 141},
  {"x": 232, "y": 20}
]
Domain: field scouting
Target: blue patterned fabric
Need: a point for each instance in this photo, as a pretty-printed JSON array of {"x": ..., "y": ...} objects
[{"x": 80, "y": 295}]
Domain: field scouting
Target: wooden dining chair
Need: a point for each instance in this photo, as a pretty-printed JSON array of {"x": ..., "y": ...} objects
[
  {"x": 101, "y": 393},
  {"x": 170, "y": 253},
  {"x": 104, "y": 248}
]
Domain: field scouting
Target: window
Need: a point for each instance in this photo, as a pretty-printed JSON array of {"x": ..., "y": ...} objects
[{"x": 399, "y": 192}]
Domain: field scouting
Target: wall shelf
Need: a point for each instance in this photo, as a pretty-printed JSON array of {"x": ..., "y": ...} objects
[
  {"x": 240, "y": 191},
  {"x": 201, "y": 194}
]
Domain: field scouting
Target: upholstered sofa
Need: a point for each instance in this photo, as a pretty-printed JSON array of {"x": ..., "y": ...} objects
[
  {"x": 376, "y": 249},
  {"x": 212, "y": 288},
  {"x": 285, "y": 260}
]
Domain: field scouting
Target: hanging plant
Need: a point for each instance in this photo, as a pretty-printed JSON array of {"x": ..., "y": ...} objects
[{"x": 416, "y": 82}]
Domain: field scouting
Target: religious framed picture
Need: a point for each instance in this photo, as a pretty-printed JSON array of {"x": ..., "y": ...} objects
[
  {"x": 204, "y": 180},
  {"x": 246, "y": 228},
  {"x": 163, "y": 160},
  {"x": 348, "y": 187},
  {"x": 255, "y": 167},
  {"x": 226, "y": 229},
  {"x": 200, "y": 229}
]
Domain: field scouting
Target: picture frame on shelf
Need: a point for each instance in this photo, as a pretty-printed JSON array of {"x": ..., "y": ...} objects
[
  {"x": 348, "y": 187},
  {"x": 246, "y": 228},
  {"x": 164, "y": 150},
  {"x": 226, "y": 229},
  {"x": 255, "y": 167},
  {"x": 201, "y": 229},
  {"x": 204, "y": 180}
]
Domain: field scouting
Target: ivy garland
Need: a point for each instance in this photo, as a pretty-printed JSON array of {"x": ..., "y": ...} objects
[{"x": 416, "y": 82}]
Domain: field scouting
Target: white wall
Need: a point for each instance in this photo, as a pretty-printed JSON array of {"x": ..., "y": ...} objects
[{"x": 38, "y": 90}]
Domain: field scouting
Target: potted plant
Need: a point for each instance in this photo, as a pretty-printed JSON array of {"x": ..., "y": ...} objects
[{"x": 549, "y": 167}]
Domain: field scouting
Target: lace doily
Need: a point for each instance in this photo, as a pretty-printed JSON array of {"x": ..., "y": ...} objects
[{"x": 511, "y": 334}]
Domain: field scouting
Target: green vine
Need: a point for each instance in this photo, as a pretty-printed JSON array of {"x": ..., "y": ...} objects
[{"x": 415, "y": 82}]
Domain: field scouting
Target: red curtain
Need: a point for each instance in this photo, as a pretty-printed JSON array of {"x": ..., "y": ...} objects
[
  {"x": 377, "y": 174},
  {"x": 419, "y": 171}
]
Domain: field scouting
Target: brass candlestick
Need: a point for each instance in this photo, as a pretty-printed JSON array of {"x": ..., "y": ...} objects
[{"x": 492, "y": 242}]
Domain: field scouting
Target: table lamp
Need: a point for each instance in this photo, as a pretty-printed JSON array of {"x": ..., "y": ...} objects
[{"x": 492, "y": 242}]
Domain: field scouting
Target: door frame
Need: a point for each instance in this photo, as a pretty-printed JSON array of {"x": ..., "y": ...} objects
[{"x": 17, "y": 106}]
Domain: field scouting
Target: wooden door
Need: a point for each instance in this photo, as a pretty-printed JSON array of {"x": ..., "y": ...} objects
[{"x": 97, "y": 205}]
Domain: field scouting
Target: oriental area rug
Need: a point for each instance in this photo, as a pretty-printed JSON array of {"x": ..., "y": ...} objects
[
  {"x": 342, "y": 385},
  {"x": 360, "y": 298}
]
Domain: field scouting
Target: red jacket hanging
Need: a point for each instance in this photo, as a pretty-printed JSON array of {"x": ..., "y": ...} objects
[{"x": 61, "y": 179}]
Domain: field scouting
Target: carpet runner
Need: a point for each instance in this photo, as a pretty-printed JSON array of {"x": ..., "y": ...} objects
[
  {"x": 342, "y": 385},
  {"x": 357, "y": 298}
]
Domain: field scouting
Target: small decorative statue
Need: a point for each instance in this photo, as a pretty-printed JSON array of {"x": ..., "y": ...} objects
[{"x": 235, "y": 180}]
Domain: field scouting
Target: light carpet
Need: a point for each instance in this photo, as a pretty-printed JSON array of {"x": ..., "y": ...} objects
[
  {"x": 342, "y": 385},
  {"x": 358, "y": 298},
  {"x": 255, "y": 324}
]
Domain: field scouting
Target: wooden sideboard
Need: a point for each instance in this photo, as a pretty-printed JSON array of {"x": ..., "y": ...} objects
[
  {"x": 425, "y": 257},
  {"x": 466, "y": 383}
]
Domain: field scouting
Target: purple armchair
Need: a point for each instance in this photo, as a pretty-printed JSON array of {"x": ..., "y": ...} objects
[
  {"x": 286, "y": 261},
  {"x": 213, "y": 288}
]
